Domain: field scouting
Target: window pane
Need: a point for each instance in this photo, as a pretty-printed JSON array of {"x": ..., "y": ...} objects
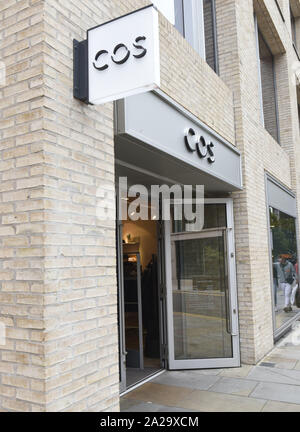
[
  {"x": 268, "y": 88},
  {"x": 285, "y": 266},
  {"x": 209, "y": 24},
  {"x": 199, "y": 299},
  {"x": 179, "y": 23}
]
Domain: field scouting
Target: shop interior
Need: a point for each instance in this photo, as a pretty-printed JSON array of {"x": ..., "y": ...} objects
[
  {"x": 200, "y": 293},
  {"x": 141, "y": 300}
]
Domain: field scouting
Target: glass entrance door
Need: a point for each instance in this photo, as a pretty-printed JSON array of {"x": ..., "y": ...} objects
[{"x": 201, "y": 292}]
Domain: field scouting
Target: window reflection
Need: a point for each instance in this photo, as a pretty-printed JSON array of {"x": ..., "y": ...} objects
[
  {"x": 200, "y": 296},
  {"x": 285, "y": 266},
  {"x": 215, "y": 216}
]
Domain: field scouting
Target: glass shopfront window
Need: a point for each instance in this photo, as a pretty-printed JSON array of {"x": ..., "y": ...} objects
[{"x": 285, "y": 267}]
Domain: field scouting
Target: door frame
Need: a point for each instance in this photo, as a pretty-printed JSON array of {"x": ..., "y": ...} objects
[
  {"x": 233, "y": 300},
  {"x": 121, "y": 302}
]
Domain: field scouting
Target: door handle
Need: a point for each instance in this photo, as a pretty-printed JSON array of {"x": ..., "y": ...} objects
[
  {"x": 234, "y": 312},
  {"x": 228, "y": 306},
  {"x": 228, "y": 313}
]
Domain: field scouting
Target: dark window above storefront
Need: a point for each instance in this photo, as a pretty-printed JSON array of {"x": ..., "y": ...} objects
[
  {"x": 196, "y": 21},
  {"x": 267, "y": 86}
]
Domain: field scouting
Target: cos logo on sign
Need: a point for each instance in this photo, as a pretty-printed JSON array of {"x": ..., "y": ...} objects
[
  {"x": 197, "y": 143},
  {"x": 121, "y": 54}
]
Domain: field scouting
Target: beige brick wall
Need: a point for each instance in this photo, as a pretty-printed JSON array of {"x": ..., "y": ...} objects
[
  {"x": 21, "y": 202},
  {"x": 81, "y": 338},
  {"x": 260, "y": 152},
  {"x": 58, "y": 291},
  {"x": 189, "y": 80}
]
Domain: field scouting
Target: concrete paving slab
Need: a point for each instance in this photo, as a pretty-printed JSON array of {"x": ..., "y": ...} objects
[
  {"x": 234, "y": 386},
  {"x": 207, "y": 371},
  {"x": 160, "y": 394},
  {"x": 280, "y": 407},
  {"x": 206, "y": 401},
  {"x": 142, "y": 407},
  {"x": 131, "y": 405},
  {"x": 127, "y": 404},
  {"x": 273, "y": 375},
  {"x": 241, "y": 372},
  {"x": 287, "y": 353},
  {"x": 175, "y": 409},
  {"x": 281, "y": 362},
  {"x": 187, "y": 380},
  {"x": 277, "y": 392},
  {"x": 245, "y": 389}
]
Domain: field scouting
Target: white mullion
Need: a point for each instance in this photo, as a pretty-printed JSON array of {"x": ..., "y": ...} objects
[{"x": 194, "y": 25}]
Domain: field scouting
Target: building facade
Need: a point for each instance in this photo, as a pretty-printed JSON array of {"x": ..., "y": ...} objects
[{"x": 76, "y": 330}]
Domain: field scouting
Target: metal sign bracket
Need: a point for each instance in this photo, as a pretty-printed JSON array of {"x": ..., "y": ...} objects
[{"x": 80, "y": 85}]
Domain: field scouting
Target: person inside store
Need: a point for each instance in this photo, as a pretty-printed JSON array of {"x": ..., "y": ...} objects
[{"x": 287, "y": 278}]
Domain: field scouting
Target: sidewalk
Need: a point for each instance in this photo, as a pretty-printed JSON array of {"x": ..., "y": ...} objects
[{"x": 273, "y": 385}]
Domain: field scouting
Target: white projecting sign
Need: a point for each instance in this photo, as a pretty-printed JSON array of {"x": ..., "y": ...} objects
[{"x": 123, "y": 56}]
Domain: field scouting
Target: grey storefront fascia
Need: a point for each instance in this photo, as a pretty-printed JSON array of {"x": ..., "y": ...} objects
[
  {"x": 280, "y": 198},
  {"x": 150, "y": 134}
]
